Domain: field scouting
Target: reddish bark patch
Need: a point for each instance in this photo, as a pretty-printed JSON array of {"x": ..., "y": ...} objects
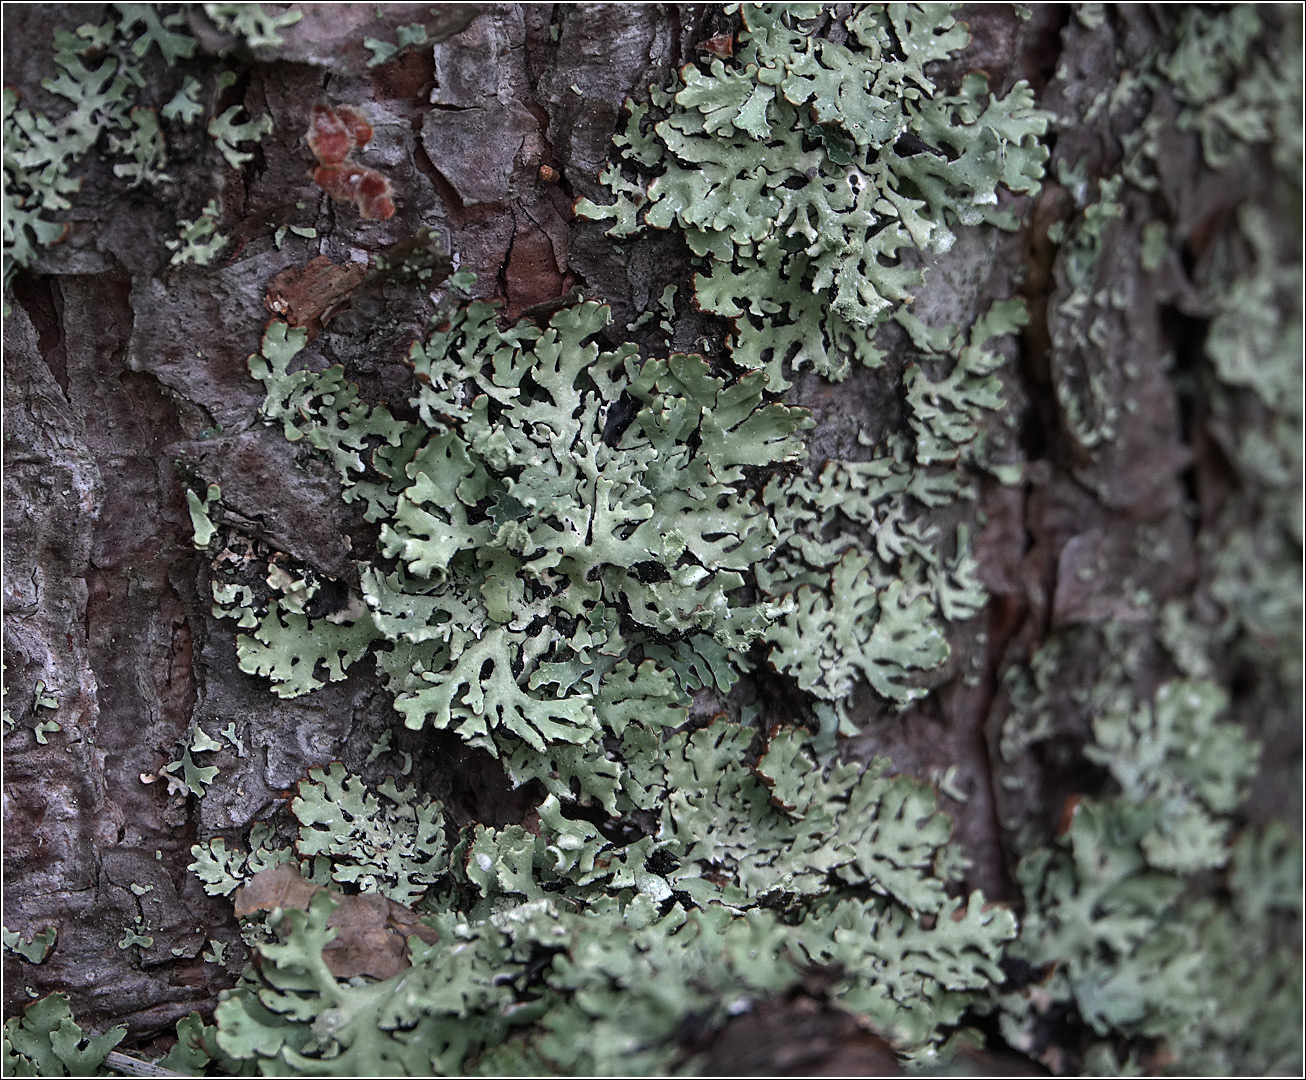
[
  {"x": 307, "y": 295},
  {"x": 532, "y": 275},
  {"x": 333, "y": 134},
  {"x": 723, "y": 45},
  {"x": 409, "y": 75}
]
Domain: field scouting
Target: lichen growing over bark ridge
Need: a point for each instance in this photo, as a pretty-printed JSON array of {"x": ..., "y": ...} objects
[
  {"x": 575, "y": 544},
  {"x": 102, "y": 78}
]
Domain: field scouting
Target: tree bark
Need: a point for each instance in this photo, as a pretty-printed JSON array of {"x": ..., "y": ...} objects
[{"x": 126, "y": 385}]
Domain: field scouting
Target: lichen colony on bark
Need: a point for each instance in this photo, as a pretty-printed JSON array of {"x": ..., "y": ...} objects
[{"x": 652, "y": 530}]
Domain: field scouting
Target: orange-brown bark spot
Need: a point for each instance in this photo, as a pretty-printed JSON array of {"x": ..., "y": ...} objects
[
  {"x": 306, "y": 295},
  {"x": 723, "y": 45},
  {"x": 532, "y": 275}
]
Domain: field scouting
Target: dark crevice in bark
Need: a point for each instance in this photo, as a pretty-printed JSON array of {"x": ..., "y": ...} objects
[
  {"x": 39, "y": 299},
  {"x": 1187, "y": 335}
]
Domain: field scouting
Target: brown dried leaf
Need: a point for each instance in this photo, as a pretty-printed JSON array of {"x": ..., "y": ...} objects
[
  {"x": 372, "y": 930},
  {"x": 279, "y": 886}
]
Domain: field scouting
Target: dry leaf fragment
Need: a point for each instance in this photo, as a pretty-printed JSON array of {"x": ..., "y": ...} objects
[{"x": 372, "y": 930}]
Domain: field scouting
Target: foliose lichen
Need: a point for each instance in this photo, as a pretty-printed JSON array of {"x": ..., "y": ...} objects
[
  {"x": 806, "y": 174},
  {"x": 385, "y": 51},
  {"x": 1122, "y": 915},
  {"x": 46, "y": 1041},
  {"x": 198, "y": 241},
  {"x": 575, "y": 539},
  {"x": 35, "y": 950},
  {"x": 750, "y": 872},
  {"x": 254, "y": 27},
  {"x": 107, "y": 75},
  {"x": 1161, "y": 913}
]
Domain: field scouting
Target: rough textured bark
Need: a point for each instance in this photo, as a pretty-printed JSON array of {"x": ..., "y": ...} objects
[{"x": 125, "y": 384}]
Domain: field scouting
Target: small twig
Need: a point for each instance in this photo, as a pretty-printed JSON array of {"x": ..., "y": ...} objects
[{"x": 131, "y": 1066}]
